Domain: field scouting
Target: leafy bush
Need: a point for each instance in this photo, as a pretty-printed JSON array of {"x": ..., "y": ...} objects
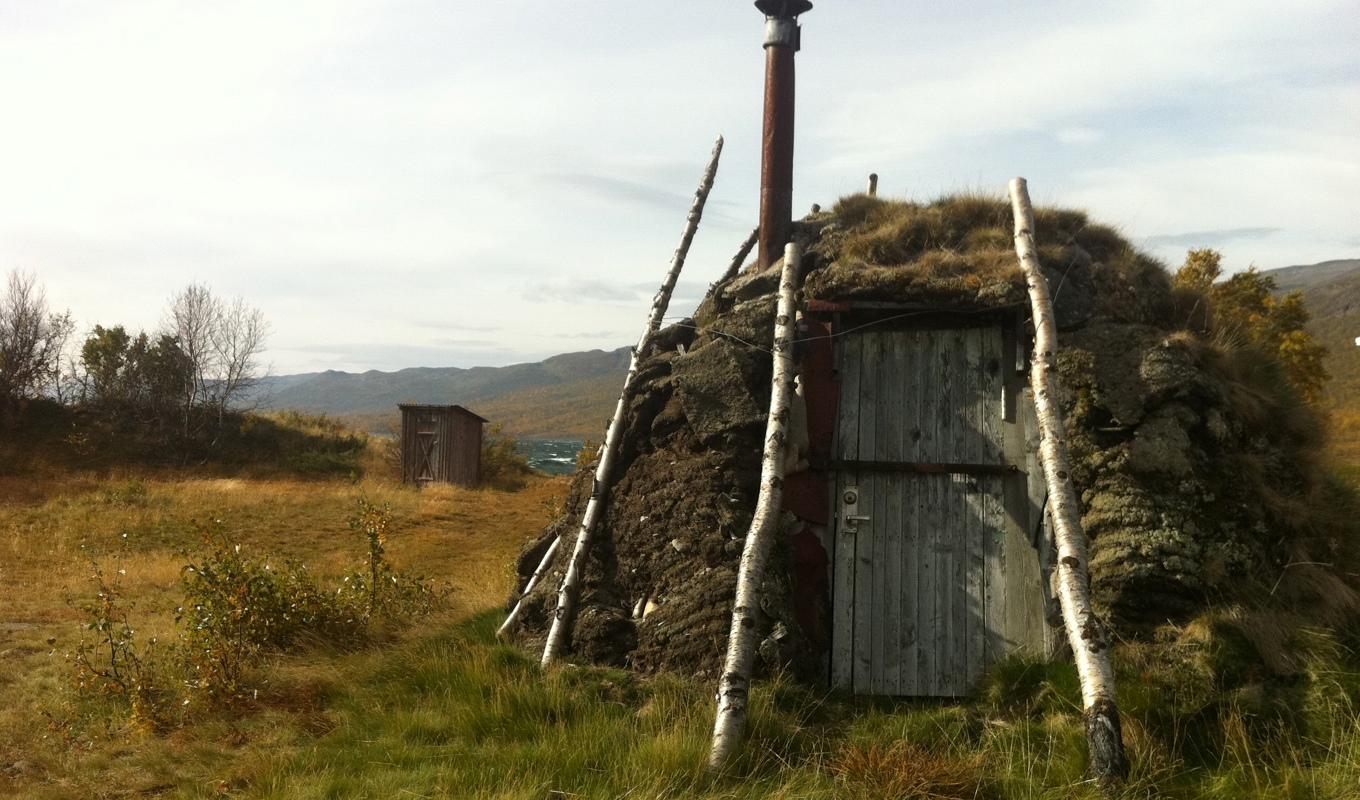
[
  {"x": 1244, "y": 312},
  {"x": 503, "y": 466},
  {"x": 589, "y": 455},
  {"x": 132, "y": 494},
  {"x": 238, "y": 607},
  {"x": 109, "y": 661},
  {"x": 141, "y": 375},
  {"x": 378, "y": 588}
]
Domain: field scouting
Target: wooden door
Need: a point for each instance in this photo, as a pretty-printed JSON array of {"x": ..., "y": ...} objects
[
  {"x": 919, "y": 603},
  {"x": 428, "y": 456}
]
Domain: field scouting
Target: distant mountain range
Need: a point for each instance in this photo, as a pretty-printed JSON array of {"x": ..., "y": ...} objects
[
  {"x": 569, "y": 395},
  {"x": 1314, "y": 276}
]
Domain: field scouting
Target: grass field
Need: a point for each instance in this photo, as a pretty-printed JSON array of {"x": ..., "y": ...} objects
[
  {"x": 439, "y": 709},
  {"x": 50, "y": 532}
]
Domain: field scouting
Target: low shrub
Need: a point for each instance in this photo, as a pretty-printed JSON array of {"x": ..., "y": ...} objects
[
  {"x": 238, "y": 607},
  {"x": 503, "y": 466},
  {"x": 376, "y": 587},
  {"x": 109, "y": 661},
  {"x": 132, "y": 494}
]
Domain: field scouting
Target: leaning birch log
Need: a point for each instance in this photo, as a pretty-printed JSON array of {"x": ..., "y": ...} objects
[
  {"x": 1086, "y": 634},
  {"x": 734, "y": 685},
  {"x": 599, "y": 490},
  {"x": 539, "y": 572},
  {"x": 739, "y": 260}
]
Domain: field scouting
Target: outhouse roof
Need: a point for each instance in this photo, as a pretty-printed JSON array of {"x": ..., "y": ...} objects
[{"x": 435, "y": 407}]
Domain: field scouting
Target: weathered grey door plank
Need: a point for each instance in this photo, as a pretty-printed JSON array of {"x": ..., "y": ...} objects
[
  {"x": 866, "y": 611},
  {"x": 948, "y": 442},
  {"x": 892, "y": 412},
  {"x": 843, "y": 563},
  {"x": 974, "y": 524},
  {"x": 910, "y": 510},
  {"x": 929, "y": 625}
]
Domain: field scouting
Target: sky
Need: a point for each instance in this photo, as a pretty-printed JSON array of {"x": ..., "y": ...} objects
[{"x": 453, "y": 183}]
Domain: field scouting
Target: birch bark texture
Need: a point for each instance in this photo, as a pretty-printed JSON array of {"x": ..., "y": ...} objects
[
  {"x": 1086, "y": 634},
  {"x": 734, "y": 685},
  {"x": 739, "y": 260},
  {"x": 570, "y": 590},
  {"x": 539, "y": 572}
]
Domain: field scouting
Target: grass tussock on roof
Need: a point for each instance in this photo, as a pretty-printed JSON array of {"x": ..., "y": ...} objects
[{"x": 958, "y": 251}]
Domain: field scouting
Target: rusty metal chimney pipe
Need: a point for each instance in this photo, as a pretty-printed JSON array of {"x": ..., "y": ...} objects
[{"x": 782, "y": 41}]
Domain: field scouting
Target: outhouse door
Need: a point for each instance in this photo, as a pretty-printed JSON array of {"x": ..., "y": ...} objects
[
  {"x": 934, "y": 575},
  {"x": 427, "y": 447}
]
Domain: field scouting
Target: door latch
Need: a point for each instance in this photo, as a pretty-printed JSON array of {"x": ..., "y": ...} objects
[{"x": 850, "y": 515}]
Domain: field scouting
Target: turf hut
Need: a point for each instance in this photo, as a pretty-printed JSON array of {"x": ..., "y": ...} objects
[{"x": 914, "y": 546}]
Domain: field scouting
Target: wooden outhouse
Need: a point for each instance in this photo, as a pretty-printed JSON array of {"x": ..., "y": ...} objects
[
  {"x": 440, "y": 444},
  {"x": 936, "y": 536}
]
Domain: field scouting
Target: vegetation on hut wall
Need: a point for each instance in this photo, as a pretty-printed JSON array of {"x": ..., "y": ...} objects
[{"x": 1244, "y": 312}]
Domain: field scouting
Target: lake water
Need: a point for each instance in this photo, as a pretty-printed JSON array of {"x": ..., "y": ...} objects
[{"x": 553, "y": 456}]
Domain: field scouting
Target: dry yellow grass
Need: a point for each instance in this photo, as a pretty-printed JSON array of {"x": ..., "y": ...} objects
[
  {"x": 1344, "y": 437},
  {"x": 51, "y": 530}
]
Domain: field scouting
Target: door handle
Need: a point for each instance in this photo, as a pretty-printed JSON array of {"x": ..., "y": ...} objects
[
  {"x": 849, "y": 514},
  {"x": 852, "y": 522}
]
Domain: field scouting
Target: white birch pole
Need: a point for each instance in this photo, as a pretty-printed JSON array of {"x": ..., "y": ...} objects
[
  {"x": 734, "y": 685},
  {"x": 739, "y": 260},
  {"x": 1090, "y": 647},
  {"x": 542, "y": 570},
  {"x": 571, "y": 583}
]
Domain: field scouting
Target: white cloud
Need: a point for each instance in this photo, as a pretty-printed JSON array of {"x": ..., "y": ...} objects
[{"x": 1079, "y": 135}]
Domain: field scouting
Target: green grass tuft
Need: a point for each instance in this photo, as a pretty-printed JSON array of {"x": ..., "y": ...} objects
[{"x": 459, "y": 715}]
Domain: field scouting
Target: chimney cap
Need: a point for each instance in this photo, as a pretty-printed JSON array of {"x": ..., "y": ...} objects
[{"x": 783, "y": 8}]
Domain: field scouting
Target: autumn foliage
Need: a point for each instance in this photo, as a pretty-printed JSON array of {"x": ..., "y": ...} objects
[{"x": 1245, "y": 311}]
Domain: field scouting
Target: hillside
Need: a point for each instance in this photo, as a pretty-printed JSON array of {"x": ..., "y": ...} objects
[
  {"x": 1312, "y": 276},
  {"x": 1332, "y": 291},
  {"x": 568, "y": 395}
]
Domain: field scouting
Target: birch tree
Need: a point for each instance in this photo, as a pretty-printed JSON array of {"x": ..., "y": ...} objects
[
  {"x": 32, "y": 339},
  {"x": 1085, "y": 633},
  {"x": 238, "y": 341},
  {"x": 599, "y": 491},
  {"x": 222, "y": 342},
  {"x": 734, "y": 685},
  {"x": 193, "y": 316}
]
